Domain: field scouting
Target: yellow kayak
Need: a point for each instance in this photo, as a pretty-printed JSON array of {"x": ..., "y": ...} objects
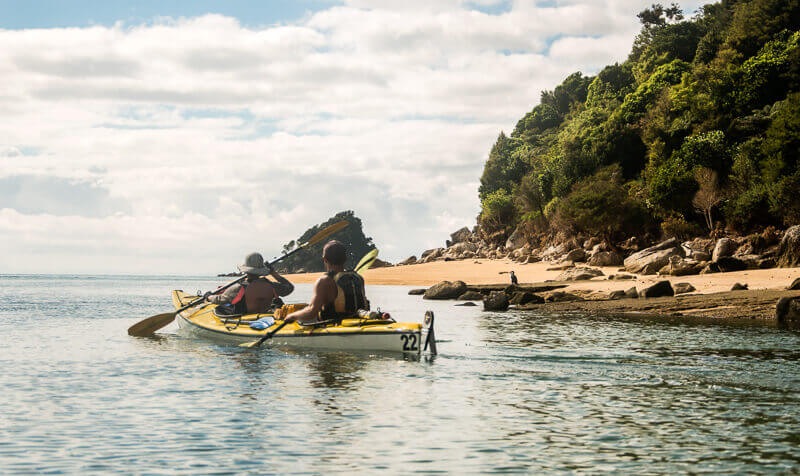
[{"x": 351, "y": 334}]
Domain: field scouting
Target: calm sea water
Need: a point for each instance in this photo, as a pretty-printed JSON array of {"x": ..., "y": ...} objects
[{"x": 509, "y": 392}]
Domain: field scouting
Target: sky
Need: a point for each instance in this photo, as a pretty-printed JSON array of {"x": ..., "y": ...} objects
[{"x": 175, "y": 137}]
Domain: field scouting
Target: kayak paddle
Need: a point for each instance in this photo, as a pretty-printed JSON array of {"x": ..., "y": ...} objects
[
  {"x": 366, "y": 261},
  {"x": 148, "y": 326},
  {"x": 260, "y": 341}
]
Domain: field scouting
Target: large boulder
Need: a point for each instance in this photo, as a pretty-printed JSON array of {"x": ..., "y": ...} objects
[
  {"x": 661, "y": 288},
  {"x": 606, "y": 258},
  {"x": 497, "y": 301},
  {"x": 631, "y": 293},
  {"x": 788, "y": 310},
  {"x": 516, "y": 240},
  {"x": 651, "y": 260},
  {"x": 575, "y": 255},
  {"x": 579, "y": 274},
  {"x": 446, "y": 290},
  {"x": 681, "y": 267},
  {"x": 459, "y": 249},
  {"x": 470, "y": 296},
  {"x": 460, "y": 236},
  {"x": 795, "y": 286},
  {"x": 408, "y": 261},
  {"x": 683, "y": 288},
  {"x": 525, "y": 297},
  {"x": 728, "y": 264},
  {"x": 789, "y": 249},
  {"x": 591, "y": 243},
  {"x": 724, "y": 247},
  {"x": 561, "y": 296}
]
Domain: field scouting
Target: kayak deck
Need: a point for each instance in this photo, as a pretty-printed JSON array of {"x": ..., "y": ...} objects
[{"x": 351, "y": 334}]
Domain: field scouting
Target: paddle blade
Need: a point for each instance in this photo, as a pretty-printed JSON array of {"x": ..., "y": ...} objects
[
  {"x": 366, "y": 261},
  {"x": 153, "y": 323},
  {"x": 249, "y": 345},
  {"x": 326, "y": 232}
]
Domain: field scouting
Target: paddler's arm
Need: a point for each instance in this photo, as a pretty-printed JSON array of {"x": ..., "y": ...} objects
[
  {"x": 311, "y": 312},
  {"x": 225, "y": 296},
  {"x": 281, "y": 285}
]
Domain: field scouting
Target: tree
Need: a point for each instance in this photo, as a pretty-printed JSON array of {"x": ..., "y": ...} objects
[
  {"x": 599, "y": 205},
  {"x": 708, "y": 196}
]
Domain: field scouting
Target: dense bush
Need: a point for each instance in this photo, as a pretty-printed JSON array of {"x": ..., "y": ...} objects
[{"x": 719, "y": 91}]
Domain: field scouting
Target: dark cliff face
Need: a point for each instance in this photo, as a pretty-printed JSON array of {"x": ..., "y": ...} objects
[{"x": 310, "y": 259}]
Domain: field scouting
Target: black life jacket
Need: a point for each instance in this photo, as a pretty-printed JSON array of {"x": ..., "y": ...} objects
[{"x": 350, "y": 296}]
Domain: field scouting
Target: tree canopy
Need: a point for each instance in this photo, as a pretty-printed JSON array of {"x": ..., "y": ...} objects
[{"x": 716, "y": 94}]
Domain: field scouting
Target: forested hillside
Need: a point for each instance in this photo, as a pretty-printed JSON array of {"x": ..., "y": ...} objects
[{"x": 697, "y": 132}]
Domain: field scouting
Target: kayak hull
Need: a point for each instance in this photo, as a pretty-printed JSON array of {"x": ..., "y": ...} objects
[{"x": 201, "y": 322}]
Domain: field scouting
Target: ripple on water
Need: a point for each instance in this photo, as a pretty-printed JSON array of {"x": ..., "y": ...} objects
[{"x": 511, "y": 392}]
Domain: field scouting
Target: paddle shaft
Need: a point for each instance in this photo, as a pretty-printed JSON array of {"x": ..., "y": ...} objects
[{"x": 268, "y": 336}]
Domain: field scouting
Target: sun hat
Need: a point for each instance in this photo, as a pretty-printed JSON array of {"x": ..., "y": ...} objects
[{"x": 254, "y": 264}]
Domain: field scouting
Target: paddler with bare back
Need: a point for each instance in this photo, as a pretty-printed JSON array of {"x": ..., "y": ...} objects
[
  {"x": 256, "y": 293},
  {"x": 337, "y": 294}
]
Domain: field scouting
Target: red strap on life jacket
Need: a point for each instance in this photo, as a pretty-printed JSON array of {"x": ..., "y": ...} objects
[{"x": 239, "y": 295}]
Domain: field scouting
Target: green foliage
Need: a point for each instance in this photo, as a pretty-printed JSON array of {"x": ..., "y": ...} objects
[
  {"x": 671, "y": 184},
  {"x": 569, "y": 93},
  {"x": 636, "y": 103},
  {"x": 719, "y": 91},
  {"x": 505, "y": 168},
  {"x": 675, "y": 226},
  {"x": 610, "y": 86},
  {"x": 541, "y": 118},
  {"x": 764, "y": 75},
  {"x": 310, "y": 259},
  {"x": 600, "y": 205},
  {"x": 498, "y": 210}
]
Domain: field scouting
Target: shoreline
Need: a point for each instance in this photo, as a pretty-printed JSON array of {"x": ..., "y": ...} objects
[{"x": 712, "y": 297}]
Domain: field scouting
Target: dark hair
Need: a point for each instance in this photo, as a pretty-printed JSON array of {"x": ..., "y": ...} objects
[{"x": 335, "y": 252}]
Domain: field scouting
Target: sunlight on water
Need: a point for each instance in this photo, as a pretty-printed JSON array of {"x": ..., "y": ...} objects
[{"x": 508, "y": 392}]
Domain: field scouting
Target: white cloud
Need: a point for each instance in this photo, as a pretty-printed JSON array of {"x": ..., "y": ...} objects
[{"x": 206, "y": 139}]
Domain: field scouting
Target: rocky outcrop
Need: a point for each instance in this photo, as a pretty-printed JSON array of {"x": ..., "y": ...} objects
[
  {"x": 496, "y": 301},
  {"x": 575, "y": 255},
  {"x": 621, "y": 277},
  {"x": 579, "y": 274},
  {"x": 680, "y": 267},
  {"x": 728, "y": 264},
  {"x": 739, "y": 287},
  {"x": 788, "y": 310},
  {"x": 561, "y": 296},
  {"x": 661, "y": 288},
  {"x": 614, "y": 295},
  {"x": 524, "y": 297},
  {"x": 795, "y": 285},
  {"x": 606, "y": 258},
  {"x": 470, "y": 296},
  {"x": 516, "y": 240},
  {"x": 408, "y": 261},
  {"x": 460, "y": 236},
  {"x": 651, "y": 260},
  {"x": 631, "y": 293},
  {"x": 431, "y": 255},
  {"x": 724, "y": 247},
  {"x": 789, "y": 249},
  {"x": 446, "y": 290},
  {"x": 683, "y": 288}
]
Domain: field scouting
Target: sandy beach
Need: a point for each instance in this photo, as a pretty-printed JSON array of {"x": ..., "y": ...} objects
[{"x": 484, "y": 271}]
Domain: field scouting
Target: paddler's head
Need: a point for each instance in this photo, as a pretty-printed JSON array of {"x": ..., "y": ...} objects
[
  {"x": 254, "y": 266},
  {"x": 334, "y": 255}
]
